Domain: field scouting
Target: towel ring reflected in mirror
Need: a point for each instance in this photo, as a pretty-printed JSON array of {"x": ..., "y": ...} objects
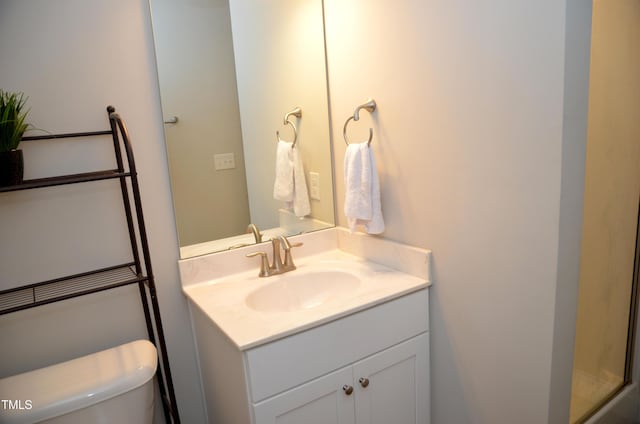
[
  {"x": 370, "y": 106},
  {"x": 297, "y": 112}
]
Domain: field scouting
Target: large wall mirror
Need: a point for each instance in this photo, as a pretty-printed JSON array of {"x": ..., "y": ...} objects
[{"x": 229, "y": 72}]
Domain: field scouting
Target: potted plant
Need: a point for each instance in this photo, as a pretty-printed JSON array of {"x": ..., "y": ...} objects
[{"x": 12, "y": 127}]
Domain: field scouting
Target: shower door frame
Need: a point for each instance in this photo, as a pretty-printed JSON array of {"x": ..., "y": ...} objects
[{"x": 625, "y": 402}]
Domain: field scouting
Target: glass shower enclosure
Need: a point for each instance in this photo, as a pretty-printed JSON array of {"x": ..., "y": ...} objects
[{"x": 607, "y": 300}]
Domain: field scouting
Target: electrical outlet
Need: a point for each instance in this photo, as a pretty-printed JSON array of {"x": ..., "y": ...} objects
[
  {"x": 314, "y": 185},
  {"x": 224, "y": 161}
]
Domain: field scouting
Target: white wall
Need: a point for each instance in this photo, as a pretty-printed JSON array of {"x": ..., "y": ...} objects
[
  {"x": 574, "y": 136},
  {"x": 470, "y": 141},
  {"x": 72, "y": 58},
  {"x": 477, "y": 138}
]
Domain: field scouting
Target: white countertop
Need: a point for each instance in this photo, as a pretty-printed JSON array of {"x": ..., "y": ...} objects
[{"x": 223, "y": 299}]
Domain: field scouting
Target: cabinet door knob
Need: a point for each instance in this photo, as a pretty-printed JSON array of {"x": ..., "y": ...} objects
[
  {"x": 364, "y": 382},
  {"x": 347, "y": 389}
]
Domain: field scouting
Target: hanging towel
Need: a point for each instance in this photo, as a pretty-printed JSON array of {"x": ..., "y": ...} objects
[
  {"x": 301, "y": 206},
  {"x": 362, "y": 200},
  {"x": 290, "y": 185},
  {"x": 283, "y": 186}
]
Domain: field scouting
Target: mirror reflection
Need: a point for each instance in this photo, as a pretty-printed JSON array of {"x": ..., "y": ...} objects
[{"x": 229, "y": 72}]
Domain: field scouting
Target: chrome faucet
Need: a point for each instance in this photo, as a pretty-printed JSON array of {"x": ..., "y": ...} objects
[
  {"x": 277, "y": 265},
  {"x": 252, "y": 228}
]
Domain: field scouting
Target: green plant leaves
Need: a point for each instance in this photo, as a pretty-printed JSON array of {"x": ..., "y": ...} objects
[{"x": 12, "y": 119}]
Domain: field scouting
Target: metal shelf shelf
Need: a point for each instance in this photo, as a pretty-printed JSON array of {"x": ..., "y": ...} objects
[
  {"x": 66, "y": 179},
  {"x": 50, "y": 291},
  {"x": 138, "y": 271}
]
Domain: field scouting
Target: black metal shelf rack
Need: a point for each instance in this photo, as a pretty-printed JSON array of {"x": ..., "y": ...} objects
[{"x": 138, "y": 271}]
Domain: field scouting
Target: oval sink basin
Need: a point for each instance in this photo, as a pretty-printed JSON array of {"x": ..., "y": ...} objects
[{"x": 292, "y": 292}]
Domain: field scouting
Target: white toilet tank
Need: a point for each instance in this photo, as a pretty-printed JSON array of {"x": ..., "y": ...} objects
[{"x": 111, "y": 386}]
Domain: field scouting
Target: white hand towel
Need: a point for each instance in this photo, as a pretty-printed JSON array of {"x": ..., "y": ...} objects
[
  {"x": 283, "y": 186},
  {"x": 362, "y": 204},
  {"x": 301, "y": 206},
  {"x": 290, "y": 185}
]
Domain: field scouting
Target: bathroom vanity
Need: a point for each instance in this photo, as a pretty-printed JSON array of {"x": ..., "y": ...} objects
[{"x": 344, "y": 338}]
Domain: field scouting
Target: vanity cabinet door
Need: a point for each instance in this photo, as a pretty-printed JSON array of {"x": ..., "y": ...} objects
[
  {"x": 321, "y": 401},
  {"x": 393, "y": 386}
]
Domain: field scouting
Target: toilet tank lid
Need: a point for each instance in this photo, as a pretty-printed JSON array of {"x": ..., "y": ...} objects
[{"x": 68, "y": 386}]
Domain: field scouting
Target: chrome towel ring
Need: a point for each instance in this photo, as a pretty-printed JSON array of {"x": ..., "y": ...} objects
[
  {"x": 297, "y": 112},
  {"x": 370, "y": 106}
]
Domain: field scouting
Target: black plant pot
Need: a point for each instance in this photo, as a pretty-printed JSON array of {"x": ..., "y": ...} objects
[{"x": 11, "y": 168}]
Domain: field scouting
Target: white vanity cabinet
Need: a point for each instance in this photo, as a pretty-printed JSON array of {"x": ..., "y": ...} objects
[
  {"x": 314, "y": 376},
  {"x": 388, "y": 387},
  {"x": 320, "y": 401}
]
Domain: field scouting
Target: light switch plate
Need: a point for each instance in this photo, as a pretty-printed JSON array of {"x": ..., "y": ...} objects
[
  {"x": 314, "y": 185},
  {"x": 224, "y": 161}
]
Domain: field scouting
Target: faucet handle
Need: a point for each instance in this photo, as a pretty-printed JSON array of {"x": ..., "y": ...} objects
[
  {"x": 287, "y": 245},
  {"x": 264, "y": 263},
  {"x": 288, "y": 264}
]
